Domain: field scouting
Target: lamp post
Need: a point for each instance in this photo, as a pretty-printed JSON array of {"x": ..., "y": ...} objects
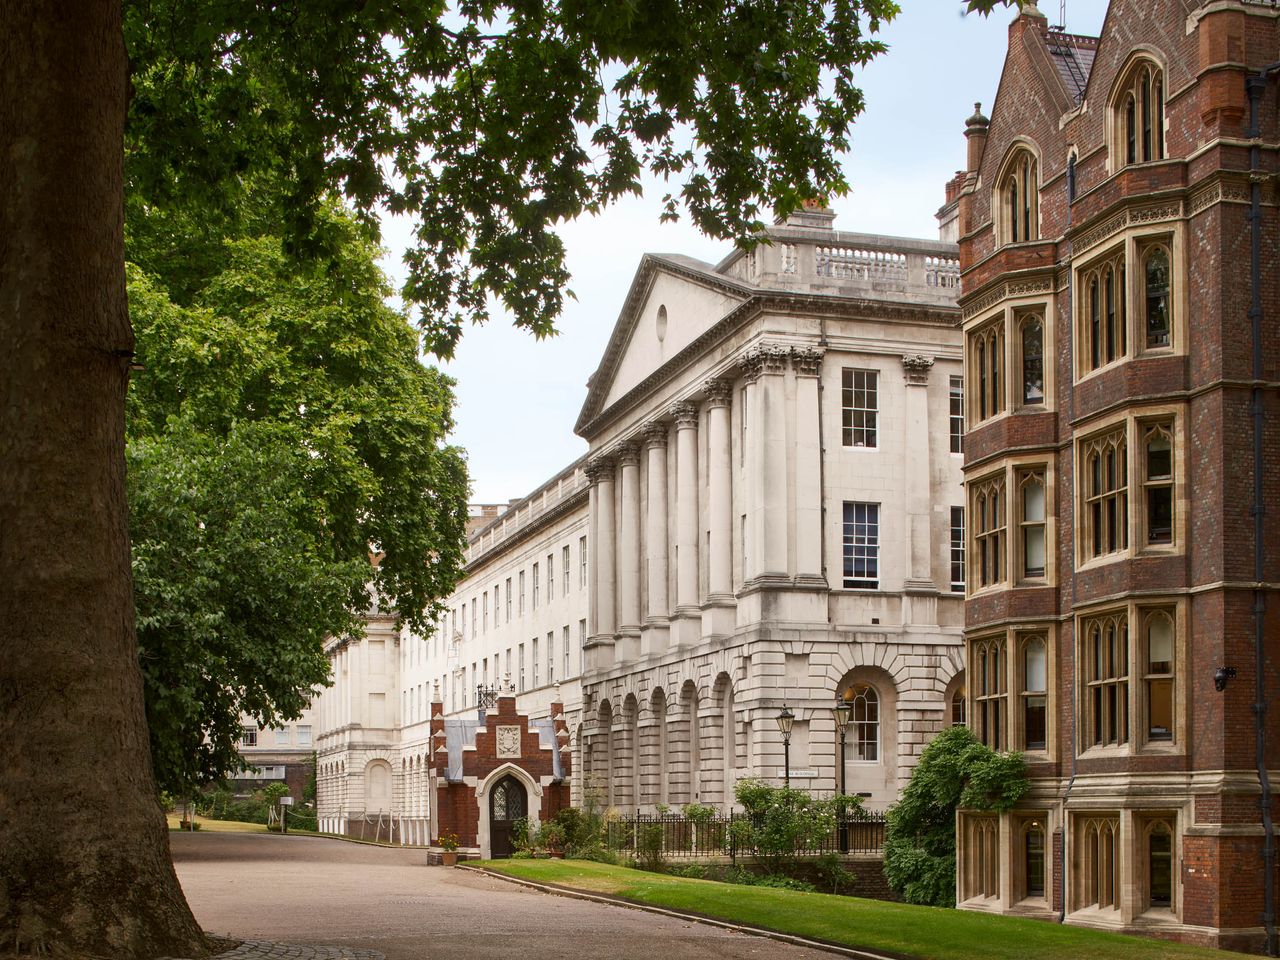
[
  {"x": 841, "y": 712},
  {"x": 785, "y": 719}
]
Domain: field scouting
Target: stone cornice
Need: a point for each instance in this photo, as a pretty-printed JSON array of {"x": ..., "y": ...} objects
[
  {"x": 556, "y": 511},
  {"x": 591, "y": 420}
]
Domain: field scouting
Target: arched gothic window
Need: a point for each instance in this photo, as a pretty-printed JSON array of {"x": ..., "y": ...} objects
[
  {"x": 1155, "y": 303},
  {"x": 1106, "y": 470},
  {"x": 1138, "y": 115},
  {"x": 1020, "y": 198},
  {"x": 1032, "y": 360}
]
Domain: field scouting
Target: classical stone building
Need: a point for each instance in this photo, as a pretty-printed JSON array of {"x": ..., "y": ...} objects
[
  {"x": 775, "y": 518},
  {"x": 1120, "y": 320},
  {"x": 518, "y": 617},
  {"x": 770, "y": 514}
]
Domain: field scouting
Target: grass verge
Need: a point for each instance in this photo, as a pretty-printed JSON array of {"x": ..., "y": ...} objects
[{"x": 925, "y": 932}]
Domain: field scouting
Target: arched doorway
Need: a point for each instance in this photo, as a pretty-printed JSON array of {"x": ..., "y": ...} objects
[{"x": 508, "y": 802}]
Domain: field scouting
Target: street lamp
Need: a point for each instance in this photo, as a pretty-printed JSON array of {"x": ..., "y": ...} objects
[
  {"x": 841, "y": 712},
  {"x": 785, "y": 719}
]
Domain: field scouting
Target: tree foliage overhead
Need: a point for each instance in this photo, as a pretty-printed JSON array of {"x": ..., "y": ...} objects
[
  {"x": 281, "y": 429},
  {"x": 493, "y": 122},
  {"x": 955, "y": 771}
]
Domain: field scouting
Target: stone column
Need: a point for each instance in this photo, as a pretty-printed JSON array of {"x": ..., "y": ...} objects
[
  {"x": 807, "y": 456},
  {"x": 920, "y": 605},
  {"x": 768, "y": 450},
  {"x": 654, "y": 634},
  {"x": 599, "y": 646},
  {"x": 628, "y": 647},
  {"x": 717, "y": 612},
  {"x": 688, "y": 623}
]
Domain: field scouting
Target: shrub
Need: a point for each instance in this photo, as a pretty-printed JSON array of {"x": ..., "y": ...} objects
[
  {"x": 832, "y": 872},
  {"x": 649, "y": 843},
  {"x": 782, "y": 822},
  {"x": 692, "y": 871},
  {"x": 699, "y": 813},
  {"x": 954, "y": 771}
]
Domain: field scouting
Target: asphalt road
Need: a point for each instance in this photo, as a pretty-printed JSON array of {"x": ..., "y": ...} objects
[{"x": 314, "y": 891}]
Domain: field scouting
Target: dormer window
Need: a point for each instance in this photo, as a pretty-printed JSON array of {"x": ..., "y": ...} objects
[
  {"x": 1019, "y": 188},
  {"x": 1138, "y": 121}
]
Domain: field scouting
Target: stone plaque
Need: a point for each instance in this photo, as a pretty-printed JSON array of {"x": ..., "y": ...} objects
[{"x": 508, "y": 741}]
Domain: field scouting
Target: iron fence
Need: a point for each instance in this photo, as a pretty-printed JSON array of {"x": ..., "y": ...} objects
[{"x": 729, "y": 836}]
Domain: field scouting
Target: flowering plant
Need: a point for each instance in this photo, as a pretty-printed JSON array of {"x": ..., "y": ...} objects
[{"x": 449, "y": 841}]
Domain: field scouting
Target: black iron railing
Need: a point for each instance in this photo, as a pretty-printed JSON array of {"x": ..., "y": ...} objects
[{"x": 729, "y": 836}]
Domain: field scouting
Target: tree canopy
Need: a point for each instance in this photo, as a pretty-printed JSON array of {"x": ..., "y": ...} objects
[
  {"x": 288, "y": 468},
  {"x": 955, "y": 771},
  {"x": 491, "y": 123}
]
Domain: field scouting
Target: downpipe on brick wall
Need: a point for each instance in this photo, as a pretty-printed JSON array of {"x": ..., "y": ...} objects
[
  {"x": 1063, "y": 851},
  {"x": 1255, "y": 87}
]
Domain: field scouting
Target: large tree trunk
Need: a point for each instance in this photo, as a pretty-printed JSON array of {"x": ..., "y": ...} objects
[{"x": 84, "y": 853}]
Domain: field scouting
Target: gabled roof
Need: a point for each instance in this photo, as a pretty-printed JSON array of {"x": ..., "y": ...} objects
[
  {"x": 1072, "y": 54},
  {"x": 651, "y": 264}
]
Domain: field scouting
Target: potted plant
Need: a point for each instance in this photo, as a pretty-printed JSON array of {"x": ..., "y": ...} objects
[
  {"x": 551, "y": 838},
  {"x": 449, "y": 849}
]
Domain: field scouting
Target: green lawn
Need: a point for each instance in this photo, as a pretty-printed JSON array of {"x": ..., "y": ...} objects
[
  {"x": 926, "y": 932},
  {"x": 221, "y": 826}
]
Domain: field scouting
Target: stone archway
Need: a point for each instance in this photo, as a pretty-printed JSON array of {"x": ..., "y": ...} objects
[{"x": 484, "y": 792}]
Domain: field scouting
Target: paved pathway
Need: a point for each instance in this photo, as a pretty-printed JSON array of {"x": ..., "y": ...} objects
[{"x": 330, "y": 899}]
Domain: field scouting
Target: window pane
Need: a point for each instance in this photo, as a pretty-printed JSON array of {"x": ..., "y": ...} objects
[
  {"x": 1036, "y": 666},
  {"x": 1157, "y": 299},
  {"x": 1032, "y": 362},
  {"x": 1160, "y": 868},
  {"x": 1035, "y": 862},
  {"x": 1160, "y": 645},
  {"x": 1034, "y": 723}
]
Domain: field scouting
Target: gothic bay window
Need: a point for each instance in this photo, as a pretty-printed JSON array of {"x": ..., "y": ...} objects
[
  {"x": 1032, "y": 525},
  {"x": 956, "y": 414},
  {"x": 1106, "y": 474},
  {"x": 1032, "y": 361},
  {"x": 860, "y": 402},
  {"x": 990, "y": 709},
  {"x": 1107, "y": 681},
  {"x": 989, "y": 532},
  {"x": 862, "y": 546},
  {"x": 1035, "y": 673},
  {"x": 1158, "y": 674},
  {"x": 988, "y": 348},
  {"x": 1157, "y": 481},
  {"x": 1155, "y": 309},
  {"x": 1106, "y": 312}
]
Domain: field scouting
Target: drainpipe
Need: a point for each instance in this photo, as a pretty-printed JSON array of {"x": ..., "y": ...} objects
[
  {"x": 1256, "y": 86},
  {"x": 1071, "y": 361}
]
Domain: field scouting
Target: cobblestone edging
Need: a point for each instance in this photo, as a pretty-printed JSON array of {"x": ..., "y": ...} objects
[{"x": 269, "y": 950}]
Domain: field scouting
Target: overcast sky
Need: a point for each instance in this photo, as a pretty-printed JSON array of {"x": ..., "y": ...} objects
[{"x": 518, "y": 398}]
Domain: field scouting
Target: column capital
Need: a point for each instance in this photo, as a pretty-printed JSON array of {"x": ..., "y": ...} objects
[
  {"x": 685, "y": 414},
  {"x": 655, "y": 434},
  {"x": 767, "y": 358},
  {"x": 628, "y": 453},
  {"x": 599, "y": 467},
  {"x": 916, "y": 367},
  {"x": 719, "y": 393},
  {"x": 807, "y": 360}
]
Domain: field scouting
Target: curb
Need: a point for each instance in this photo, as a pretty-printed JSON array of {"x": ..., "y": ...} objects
[{"x": 791, "y": 938}]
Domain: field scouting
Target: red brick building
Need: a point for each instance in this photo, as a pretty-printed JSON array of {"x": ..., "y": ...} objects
[
  {"x": 492, "y": 769},
  {"x": 1121, "y": 628}
]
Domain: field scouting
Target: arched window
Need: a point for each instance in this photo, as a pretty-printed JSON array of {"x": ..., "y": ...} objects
[
  {"x": 1157, "y": 481},
  {"x": 1159, "y": 878},
  {"x": 1035, "y": 675},
  {"x": 1033, "y": 859},
  {"x": 958, "y": 708},
  {"x": 988, "y": 345},
  {"x": 1155, "y": 273},
  {"x": 1107, "y": 680},
  {"x": 1106, "y": 311},
  {"x": 866, "y": 722},
  {"x": 1138, "y": 123},
  {"x": 1020, "y": 198},
  {"x": 989, "y": 532},
  {"x": 1106, "y": 471},
  {"x": 1032, "y": 360},
  {"x": 1158, "y": 674},
  {"x": 1032, "y": 524},
  {"x": 990, "y": 692}
]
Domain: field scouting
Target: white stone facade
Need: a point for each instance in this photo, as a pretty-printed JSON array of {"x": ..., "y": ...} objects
[
  {"x": 766, "y": 511},
  {"x": 771, "y": 512}
]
